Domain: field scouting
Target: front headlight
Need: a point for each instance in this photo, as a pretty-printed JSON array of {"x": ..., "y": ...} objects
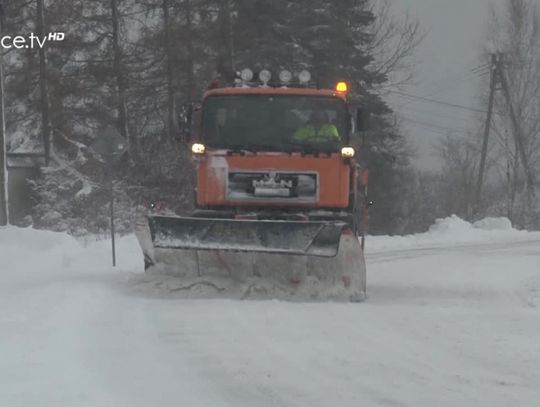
[
  {"x": 347, "y": 152},
  {"x": 198, "y": 148}
]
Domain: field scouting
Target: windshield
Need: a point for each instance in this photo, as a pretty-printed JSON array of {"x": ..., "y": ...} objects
[{"x": 275, "y": 123}]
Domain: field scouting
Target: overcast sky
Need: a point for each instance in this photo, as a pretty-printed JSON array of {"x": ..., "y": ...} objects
[{"x": 444, "y": 72}]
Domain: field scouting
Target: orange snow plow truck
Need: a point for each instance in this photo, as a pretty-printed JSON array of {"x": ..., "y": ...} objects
[{"x": 280, "y": 196}]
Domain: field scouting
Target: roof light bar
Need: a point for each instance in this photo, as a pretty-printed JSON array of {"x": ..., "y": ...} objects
[
  {"x": 304, "y": 77},
  {"x": 246, "y": 75},
  {"x": 265, "y": 75},
  {"x": 285, "y": 77}
]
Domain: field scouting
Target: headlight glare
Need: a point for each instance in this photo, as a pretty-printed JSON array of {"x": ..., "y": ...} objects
[
  {"x": 198, "y": 148},
  {"x": 347, "y": 152}
]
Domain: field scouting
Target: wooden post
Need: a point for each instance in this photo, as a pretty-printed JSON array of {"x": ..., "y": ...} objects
[
  {"x": 518, "y": 133},
  {"x": 487, "y": 128},
  {"x": 111, "y": 209}
]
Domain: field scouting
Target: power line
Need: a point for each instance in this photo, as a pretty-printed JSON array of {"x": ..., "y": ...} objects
[
  {"x": 439, "y": 102},
  {"x": 397, "y": 108},
  {"x": 432, "y": 126},
  {"x": 459, "y": 77},
  {"x": 417, "y": 110}
]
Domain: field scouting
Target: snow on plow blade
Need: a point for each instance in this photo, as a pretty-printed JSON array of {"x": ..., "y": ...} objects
[
  {"x": 311, "y": 238},
  {"x": 198, "y": 257}
]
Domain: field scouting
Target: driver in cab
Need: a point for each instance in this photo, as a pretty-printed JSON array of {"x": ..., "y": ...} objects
[{"x": 317, "y": 129}]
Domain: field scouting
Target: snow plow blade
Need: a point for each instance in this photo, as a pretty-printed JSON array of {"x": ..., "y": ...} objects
[{"x": 199, "y": 257}]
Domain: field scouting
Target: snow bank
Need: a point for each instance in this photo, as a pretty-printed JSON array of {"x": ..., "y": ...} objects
[
  {"x": 454, "y": 231},
  {"x": 31, "y": 249},
  {"x": 15, "y": 238},
  {"x": 28, "y": 250},
  {"x": 493, "y": 224}
]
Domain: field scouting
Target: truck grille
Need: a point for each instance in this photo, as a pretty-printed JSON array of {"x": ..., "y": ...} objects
[{"x": 273, "y": 185}]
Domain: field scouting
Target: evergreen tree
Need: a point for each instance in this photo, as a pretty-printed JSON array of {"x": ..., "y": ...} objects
[
  {"x": 133, "y": 64},
  {"x": 330, "y": 39}
]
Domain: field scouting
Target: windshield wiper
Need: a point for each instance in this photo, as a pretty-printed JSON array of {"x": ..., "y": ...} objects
[
  {"x": 309, "y": 148},
  {"x": 265, "y": 147},
  {"x": 236, "y": 148}
]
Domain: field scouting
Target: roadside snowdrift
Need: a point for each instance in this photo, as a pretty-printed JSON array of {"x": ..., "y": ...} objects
[
  {"x": 27, "y": 249},
  {"x": 453, "y": 231}
]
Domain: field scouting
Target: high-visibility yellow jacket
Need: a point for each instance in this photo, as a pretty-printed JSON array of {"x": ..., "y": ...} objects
[{"x": 327, "y": 132}]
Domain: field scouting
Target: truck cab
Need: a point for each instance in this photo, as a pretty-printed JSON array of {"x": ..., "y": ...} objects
[{"x": 254, "y": 149}]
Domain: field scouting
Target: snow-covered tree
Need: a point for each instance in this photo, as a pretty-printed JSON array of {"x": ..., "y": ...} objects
[
  {"x": 514, "y": 34},
  {"x": 132, "y": 64}
]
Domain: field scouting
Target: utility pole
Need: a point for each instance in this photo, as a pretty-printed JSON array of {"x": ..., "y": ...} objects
[
  {"x": 518, "y": 133},
  {"x": 4, "y": 209},
  {"x": 492, "y": 85},
  {"x": 498, "y": 76}
]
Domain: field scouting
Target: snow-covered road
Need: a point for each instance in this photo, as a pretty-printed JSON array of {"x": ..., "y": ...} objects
[{"x": 455, "y": 324}]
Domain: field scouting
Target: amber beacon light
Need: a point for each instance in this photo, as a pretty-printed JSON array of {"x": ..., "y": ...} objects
[{"x": 341, "y": 87}]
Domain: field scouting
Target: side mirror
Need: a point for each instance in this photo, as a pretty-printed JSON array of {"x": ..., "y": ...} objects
[
  {"x": 196, "y": 117},
  {"x": 360, "y": 119},
  {"x": 361, "y": 124},
  {"x": 185, "y": 115}
]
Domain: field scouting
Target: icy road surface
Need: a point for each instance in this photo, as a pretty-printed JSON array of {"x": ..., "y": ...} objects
[{"x": 453, "y": 319}]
